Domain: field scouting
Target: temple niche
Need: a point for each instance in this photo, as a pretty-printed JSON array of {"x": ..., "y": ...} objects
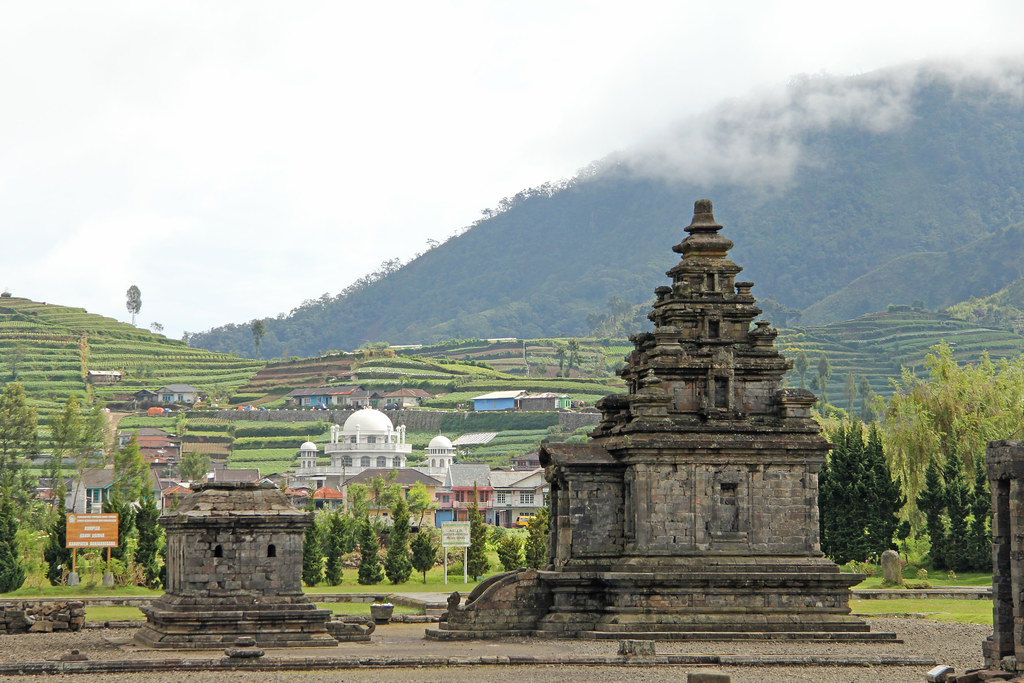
[{"x": 694, "y": 508}]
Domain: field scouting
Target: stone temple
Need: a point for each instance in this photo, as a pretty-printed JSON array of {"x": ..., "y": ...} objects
[
  {"x": 693, "y": 511},
  {"x": 234, "y": 568}
]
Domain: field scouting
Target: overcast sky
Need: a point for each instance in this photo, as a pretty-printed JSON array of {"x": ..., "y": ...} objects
[{"x": 232, "y": 159}]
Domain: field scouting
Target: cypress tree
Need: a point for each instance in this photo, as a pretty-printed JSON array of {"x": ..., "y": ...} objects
[
  {"x": 510, "y": 552},
  {"x": 12, "y": 574},
  {"x": 886, "y": 497},
  {"x": 149, "y": 539},
  {"x": 397, "y": 565},
  {"x": 56, "y": 554},
  {"x": 370, "y": 571},
  {"x": 958, "y": 556},
  {"x": 537, "y": 539},
  {"x": 331, "y": 544},
  {"x": 125, "y": 527},
  {"x": 979, "y": 536},
  {"x": 424, "y": 547},
  {"x": 844, "y": 498},
  {"x": 931, "y": 502},
  {"x": 312, "y": 559},
  {"x": 477, "y": 563}
]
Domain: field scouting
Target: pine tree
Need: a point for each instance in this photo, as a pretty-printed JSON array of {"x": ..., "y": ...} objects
[
  {"x": 510, "y": 552},
  {"x": 844, "y": 498},
  {"x": 537, "y": 539},
  {"x": 56, "y": 554},
  {"x": 125, "y": 527},
  {"x": 958, "y": 556},
  {"x": 979, "y": 536},
  {"x": 931, "y": 502},
  {"x": 12, "y": 574},
  {"x": 477, "y": 563},
  {"x": 886, "y": 497},
  {"x": 149, "y": 539},
  {"x": 824, "y": 373},
  {"x": 370, "y": 571},
  {"x": 424, "y": 548},
  {"x": 312, "y": 559},
  {"x": 397, "y": 565},
  {"x": 131, "y": 474},
  {"x": 800, "y": 365},
  {"x": 331, "y": 543},
  {"x": 850, "y": 391}
]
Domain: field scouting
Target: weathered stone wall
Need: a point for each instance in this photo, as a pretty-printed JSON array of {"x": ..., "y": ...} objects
[
  {"x": 596, "y": 514},
  {"x": 41, "y": 617}
]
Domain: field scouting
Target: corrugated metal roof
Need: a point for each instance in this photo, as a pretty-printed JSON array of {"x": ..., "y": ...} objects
[
  {"x": 474, "y": 439},
  {"x": 496, "y": 395}
]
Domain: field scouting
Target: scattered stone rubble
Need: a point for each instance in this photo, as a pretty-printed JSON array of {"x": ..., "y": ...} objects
[{"x": 41, "y": 617}]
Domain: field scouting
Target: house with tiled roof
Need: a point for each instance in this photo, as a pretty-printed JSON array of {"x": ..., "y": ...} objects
[
  {"x": 178, "y": 393},
  {"x": 329, "y": 498},
  {"x": 461, "y": 483},
  {"x": 406, "y": 397}
]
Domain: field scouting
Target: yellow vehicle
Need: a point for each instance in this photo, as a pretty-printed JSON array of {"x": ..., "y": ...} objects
[{"x": 524, "y": 520}]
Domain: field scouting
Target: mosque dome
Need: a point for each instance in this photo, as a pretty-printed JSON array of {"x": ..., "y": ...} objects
[
  {"x": 368, "y": 420},
  {"x": 308, "y": 446},
  {"x": 440, "y": 442}
]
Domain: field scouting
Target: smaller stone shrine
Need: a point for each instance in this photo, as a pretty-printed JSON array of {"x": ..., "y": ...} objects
[
  {"x": 234, "y": 569},
  {"x": 1005, "y": 463}
]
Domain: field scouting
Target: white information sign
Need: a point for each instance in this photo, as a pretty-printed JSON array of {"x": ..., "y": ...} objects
[{"x": 455, "y": 535}]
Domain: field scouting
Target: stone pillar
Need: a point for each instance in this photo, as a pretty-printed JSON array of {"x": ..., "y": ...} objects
[{"x": 1005, "y": 464}]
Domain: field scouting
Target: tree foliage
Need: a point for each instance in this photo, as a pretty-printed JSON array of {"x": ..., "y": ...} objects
[
  {"x": 18, "y": 442},
  {"x": 56, "y": 555},
  {"x": 149, "y": 535},
  {"x": 537, "y": 539},
  {"x": 476, "y": 563},
  {"x": 12, "y": 573},
  {"x": 956, "y": 409},
  {"x": 194, "y": 466},
  {"x": 510, "y": 552},
  {"x": 312, "y": 558},
  {"x": 332, "y": 544},
  {"x": 397, "y": 565},
  {"x": 133, "y": 301},
  {"x": 131, "y": 474},
  {"x": 424, "y": 547},
  {"x": 370, "y": 571}
]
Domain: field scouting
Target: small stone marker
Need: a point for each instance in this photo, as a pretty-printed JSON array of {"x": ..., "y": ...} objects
[
  {"x": 73, "y": 579},
  {"x": 891, "y": 569},
  {"x": 244, "y": 648},
  {"x": 108, "y": 579},
  {"x": 939, "y": 674},
  {"x": 708, "y": 678},
  {"x": 636, "y": 648}
]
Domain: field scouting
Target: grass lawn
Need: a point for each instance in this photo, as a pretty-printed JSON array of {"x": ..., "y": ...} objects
[
  {"x": 84, "y": 591},
  {"x": 936, "y": 579},
  {"x": 961, "y": 611},
  {"x": 118, "y": 613},
  {"x": 434, "y": 584}
]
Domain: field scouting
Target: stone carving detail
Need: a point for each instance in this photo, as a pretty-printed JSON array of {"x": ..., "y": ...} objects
[{"x": 694, "y": 507}]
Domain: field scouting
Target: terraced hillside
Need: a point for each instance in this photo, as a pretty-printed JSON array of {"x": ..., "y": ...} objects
[
  {"x": 277, "y": 378},
  {"x": 878, "y": 345},
  {"x": 51, "y": 348},
  {"x": 536, "y": 357}
]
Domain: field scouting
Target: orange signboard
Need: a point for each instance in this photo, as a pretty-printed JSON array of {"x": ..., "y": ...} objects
[{"x": 92, "y": 531}]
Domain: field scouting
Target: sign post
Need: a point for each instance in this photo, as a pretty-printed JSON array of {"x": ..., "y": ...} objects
[
  {"x": 456, "y": 535},
  {"x": 90, "y": 531}
]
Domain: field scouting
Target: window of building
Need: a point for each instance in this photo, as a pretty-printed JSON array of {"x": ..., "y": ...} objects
[
  {"x": 396, "y": 461},
  {"x": 371, "y": 439},
  {"x": 364, "y": 461},
  {"x": 728, "y": 511},
  {"x": 526, "y": 497},
  {"x": 353, "y": 439},
  {"x": 382, "y": 461},
  {"x": 714, "y": 329},
  {"x": 218, "y": 551},
  {"x": 271, "y": 550},
  {"x": 499, "y": 497},
  {"x": 347, "y": 461},
  {"x": 721, "y": 392}
]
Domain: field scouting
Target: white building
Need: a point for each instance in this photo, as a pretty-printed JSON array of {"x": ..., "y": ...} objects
[
  {"x": 367, "y": 440},
  {"x": 440, "y": 456}
]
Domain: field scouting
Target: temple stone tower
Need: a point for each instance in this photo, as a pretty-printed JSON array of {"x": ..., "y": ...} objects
[
  {"x": 694, "y": 509},
  {"x": 234, "y": 568}
]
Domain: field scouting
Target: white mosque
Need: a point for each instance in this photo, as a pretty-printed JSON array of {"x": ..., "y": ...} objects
[{"x": 367, "y": 440}]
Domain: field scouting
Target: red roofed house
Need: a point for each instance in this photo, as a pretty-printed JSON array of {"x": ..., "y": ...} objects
[{"x": 332, "y": 499}]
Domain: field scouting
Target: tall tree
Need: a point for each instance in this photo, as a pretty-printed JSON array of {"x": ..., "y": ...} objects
[
  {"x": 561, "y": 353},
  {"x": 800, "y": 365},
  {"x": 133, "y": 301},
  {"x": 18, "y": 425},
  {"x": 15, "y": 355},
  {"x": 824, "y": 372},
  {"x": 56, "y": 555},
  {"x": 510, "y": 552},
  {"x": 867, "y": 413},
  {"x": 574, "y": 354},
  {"x": 844, "y": 487},
  {"x": 12, "y": 573},
  {"x": 419, "y": 501},
  {"x": 150, "y": 533},
  {"x": 194, "y": 466},
  {"x": 312, "y": 558},
  {"x": 886, "y": 499},
  {"x": 397, "y": 565},
  {"x": 331, "y": 542},
  {"x": 370, "y": 571},
  {"x": 537, "y": 539},
  {"x": 477, "y": 563},
  {"x": 958, "y": 556},
  {"x": 931, "y": 501},
  {"x": 259, "y": 328},
  {"x": 424, "y": 548},
  {"x": 131, "y": 475},
  {"x": 850, "y": 391},
  {"x": 978, "y": 534},
  {"x": 125, "y": 527},
  {"x": 956, "y": 409}
]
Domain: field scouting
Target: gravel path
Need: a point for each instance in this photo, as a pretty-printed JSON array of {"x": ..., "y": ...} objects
[{"x": 958, "y": 645}]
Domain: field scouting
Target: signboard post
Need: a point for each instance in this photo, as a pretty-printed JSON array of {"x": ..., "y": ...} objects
[
  {"x": 456, "y": 535},
  {"x": 90, "y": 531}
]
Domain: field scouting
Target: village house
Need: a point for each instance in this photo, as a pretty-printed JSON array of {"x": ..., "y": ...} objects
[
  {"x": 545, "y": 401},
  {"x": 104, "y": 376},
  {"x": 517, "y": 495},
  {"x": 460, "y": 484},
  {"x": 321, "y": 396},
  {"x": 406, "y": 398},
  {"x": 498, "y": 400},
  {"x": 178, "y": 393}
]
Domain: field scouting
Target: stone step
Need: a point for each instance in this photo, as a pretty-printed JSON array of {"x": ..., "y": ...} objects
[{"x": 843, "y": 636}]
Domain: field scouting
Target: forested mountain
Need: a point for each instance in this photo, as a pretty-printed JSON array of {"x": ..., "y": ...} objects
[{"x": 893, "y": 173}]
